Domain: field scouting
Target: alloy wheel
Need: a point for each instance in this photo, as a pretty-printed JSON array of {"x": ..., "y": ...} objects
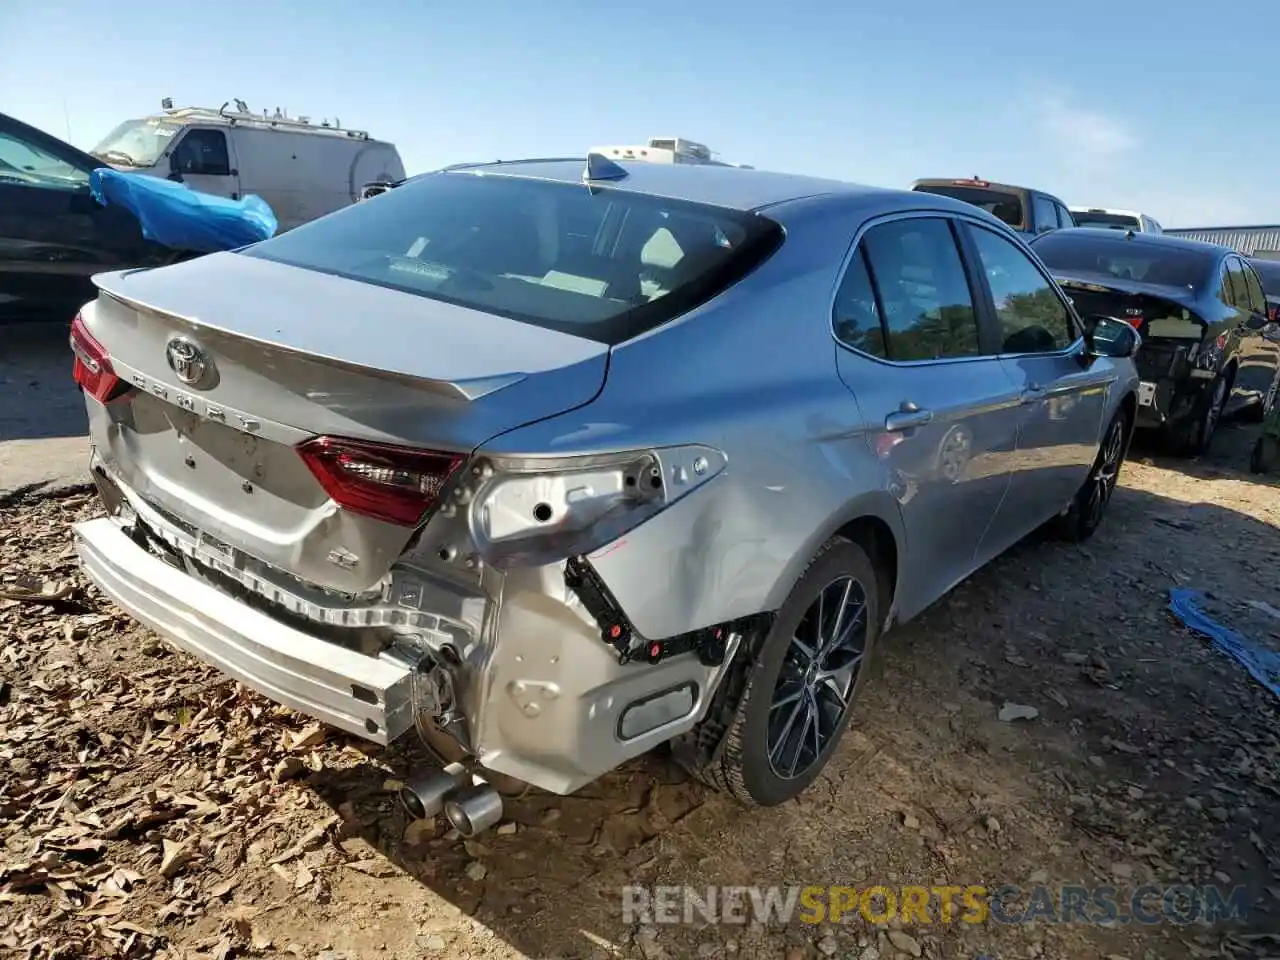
[
  {"x": 1107, "y": 472},
  {"x": 818, "y": 675}
]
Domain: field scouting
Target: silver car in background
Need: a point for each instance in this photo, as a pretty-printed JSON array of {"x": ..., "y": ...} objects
[{"x": 557, "y": 462}]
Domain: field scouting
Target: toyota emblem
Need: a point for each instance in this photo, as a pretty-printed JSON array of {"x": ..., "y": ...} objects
[{"x": 187, "y": 360}]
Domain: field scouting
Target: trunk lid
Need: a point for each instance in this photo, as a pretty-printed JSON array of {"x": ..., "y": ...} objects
[
  {"x": 1172, "y": 331},
  {"x": 289, "y": 354}
]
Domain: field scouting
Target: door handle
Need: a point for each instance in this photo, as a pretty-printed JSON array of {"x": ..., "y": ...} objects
[
  {"x": 1034, "y": 392},
  {"x": 907, "y": 417}
]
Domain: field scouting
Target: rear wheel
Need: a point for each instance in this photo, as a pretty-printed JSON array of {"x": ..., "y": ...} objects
[
  {"x": 1089, "y": 506},
  {"x": 1266, "y": 452},
  {"x": 800, "y": 690},
  {"x": 1192, "y": 439}
]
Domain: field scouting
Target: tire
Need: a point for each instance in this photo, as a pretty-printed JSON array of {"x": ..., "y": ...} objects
[
  {"x": 743, "y": 765},
  {"x": 1193, "y": 438},
  {"x": 1266, "y": 452},
  {"x": 1089, "y": 505}
]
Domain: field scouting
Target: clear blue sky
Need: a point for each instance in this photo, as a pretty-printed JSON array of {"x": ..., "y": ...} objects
[{"x": 1161, "y": 105}]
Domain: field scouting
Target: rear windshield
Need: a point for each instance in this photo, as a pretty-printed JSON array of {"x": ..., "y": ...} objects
[
  {"x": 599, "y": 263},
  {"x": 1001, "y": 205},
  {"x": 1106, "y": 221},
  {"x": 1145, "y": 262},
  {"x": 1269, "y": 274}
]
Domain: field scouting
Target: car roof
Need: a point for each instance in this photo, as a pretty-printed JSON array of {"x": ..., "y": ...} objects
[
  {"x": 735, "y": 188},
  {"x": 1161, "y": 240}
]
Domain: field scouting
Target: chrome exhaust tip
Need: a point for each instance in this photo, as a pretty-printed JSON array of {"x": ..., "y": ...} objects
[
  {"x": 423, "y": 796},
  {"x": 473, "y": 810}
]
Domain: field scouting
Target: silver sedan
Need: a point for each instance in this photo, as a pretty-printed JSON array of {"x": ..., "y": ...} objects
[{"x": 556, "y": 461}]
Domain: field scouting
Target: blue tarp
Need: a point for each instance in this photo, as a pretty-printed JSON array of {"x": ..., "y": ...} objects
[
  {"x": 175, "y": 215},
  {"x": 1263, "y": 664}
]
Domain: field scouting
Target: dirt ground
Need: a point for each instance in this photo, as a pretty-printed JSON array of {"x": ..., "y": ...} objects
[{"x": 150, "y": 809}]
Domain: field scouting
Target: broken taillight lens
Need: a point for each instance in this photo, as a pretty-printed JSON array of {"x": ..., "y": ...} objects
[
  {"x": 92, "y": 366},
  {"x": 397, "y": 484}
]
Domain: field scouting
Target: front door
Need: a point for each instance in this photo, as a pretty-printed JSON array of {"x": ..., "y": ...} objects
[
  {"x": 1062, "y": 399},
  {"x": 941, "y": 412},
  {"x": 204, "y": 160}
]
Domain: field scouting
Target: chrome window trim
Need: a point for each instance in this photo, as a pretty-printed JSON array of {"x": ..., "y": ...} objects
[{"x": 922, "y": 214}]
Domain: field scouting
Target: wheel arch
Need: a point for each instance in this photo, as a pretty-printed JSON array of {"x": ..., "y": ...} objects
[
  {"x": 1129, "y": 404},
  {"x": 872, "y": 521}
]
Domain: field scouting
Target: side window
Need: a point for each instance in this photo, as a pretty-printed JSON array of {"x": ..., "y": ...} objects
[
  {"x": 1032, "y": 317},
  {"x": 1239, "y": 291},
  {"x": 23, "y": 162},
  {"x": 1225, "y": 293},
  {"x": 1064, "y": 217},
  {"x": 1257, "y": 299},
  {"x": 202, "y": 152},
  {"x": 857, "y": 315},
  {"x": 922, "y": 291},
  {"x": 1044, "y": 212}
]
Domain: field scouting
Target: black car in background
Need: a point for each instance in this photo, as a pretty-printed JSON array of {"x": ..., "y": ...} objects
[
  {"x": 53, "y": 235},
  {"x": 1208, "y": 347}
]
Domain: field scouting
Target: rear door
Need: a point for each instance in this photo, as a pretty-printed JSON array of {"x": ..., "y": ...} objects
[
  {"x": 1062, "y": 401},
  {"x": 1258, "y": 354},
  {"x": 941, "y": 411}
]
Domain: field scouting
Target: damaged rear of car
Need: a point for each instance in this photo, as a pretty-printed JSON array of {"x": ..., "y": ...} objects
[{"x": 557, "y": 462}]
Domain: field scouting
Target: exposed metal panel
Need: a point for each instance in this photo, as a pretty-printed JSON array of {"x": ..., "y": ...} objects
[{"x": 1250, "y": 241}]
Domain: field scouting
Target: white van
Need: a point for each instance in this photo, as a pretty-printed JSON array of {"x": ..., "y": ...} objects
[{"x": 303, "y": 170}]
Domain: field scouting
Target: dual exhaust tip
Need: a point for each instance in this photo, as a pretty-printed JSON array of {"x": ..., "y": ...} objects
[{"x": 469, "y": 808}]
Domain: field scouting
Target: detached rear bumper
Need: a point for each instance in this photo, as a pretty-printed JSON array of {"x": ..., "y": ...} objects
[{"x": 370, "y": 697}]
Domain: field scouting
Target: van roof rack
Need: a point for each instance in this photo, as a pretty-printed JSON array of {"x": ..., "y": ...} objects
[{"x": 240, "y": 115}]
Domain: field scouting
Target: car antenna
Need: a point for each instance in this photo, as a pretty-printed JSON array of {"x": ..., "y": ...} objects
[{"x": 600, "y": 167}]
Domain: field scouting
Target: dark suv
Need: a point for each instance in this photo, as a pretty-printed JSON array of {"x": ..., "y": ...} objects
[{"x": 1030, "y": 212}]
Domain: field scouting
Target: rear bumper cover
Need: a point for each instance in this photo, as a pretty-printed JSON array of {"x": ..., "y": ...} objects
[
  {"x": 545, "y": 699},
  {"x": 367, "y": 696}
]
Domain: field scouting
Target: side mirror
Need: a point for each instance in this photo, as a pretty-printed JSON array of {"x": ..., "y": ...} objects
[
  {"x": 175, "y": 174},
  {"x": 1109, "y": 337},
  {"x": 370, "y": 190}
]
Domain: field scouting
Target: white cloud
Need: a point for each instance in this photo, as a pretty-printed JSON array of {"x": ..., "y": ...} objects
[{"x": 1088, "y": 134}]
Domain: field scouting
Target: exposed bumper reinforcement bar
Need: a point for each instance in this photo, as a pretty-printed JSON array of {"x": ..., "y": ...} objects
[{"x": 370, "y": 697}]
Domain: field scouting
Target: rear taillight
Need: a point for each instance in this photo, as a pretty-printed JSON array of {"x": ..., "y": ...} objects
[
  {"x": 92, "y": 367},
  {"x": 396, "y": 484}
]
